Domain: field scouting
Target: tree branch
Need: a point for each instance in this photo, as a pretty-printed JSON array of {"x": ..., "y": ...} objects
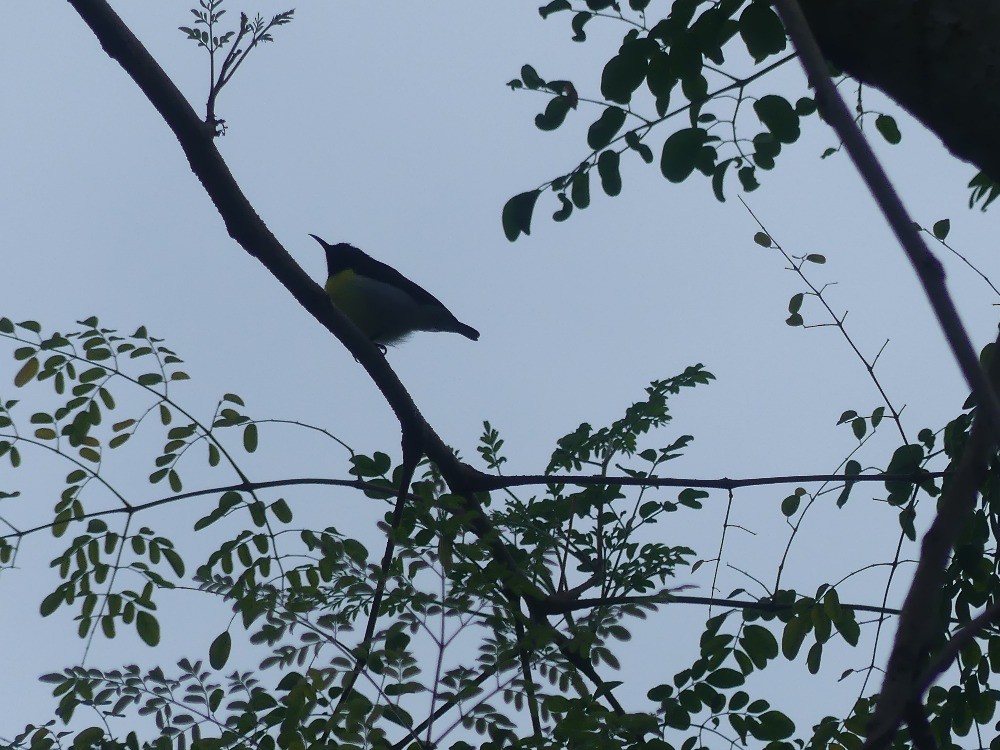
[
  {"x": 197, "y": 139},
  {"x": 903, "y": 687},
  {"x": 928, "y": 268}
]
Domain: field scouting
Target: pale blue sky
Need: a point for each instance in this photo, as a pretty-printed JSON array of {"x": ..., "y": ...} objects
[{"x": 389, "y": 126}]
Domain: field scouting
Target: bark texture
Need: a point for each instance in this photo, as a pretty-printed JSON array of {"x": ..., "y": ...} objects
[{"x": 939, "y": 59}]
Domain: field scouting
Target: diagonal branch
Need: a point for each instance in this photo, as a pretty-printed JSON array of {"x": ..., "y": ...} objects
[
  {"x": 924, "y": 262},
  {"x": 904, "y": 685},
  {"x": 196, "y": 138}
]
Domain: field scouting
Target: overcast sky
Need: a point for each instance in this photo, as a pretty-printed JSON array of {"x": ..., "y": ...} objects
[{"x": 390, "y": 126}]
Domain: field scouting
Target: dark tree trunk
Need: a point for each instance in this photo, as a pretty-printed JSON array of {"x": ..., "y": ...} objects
[{"x": 940, "y": 59}]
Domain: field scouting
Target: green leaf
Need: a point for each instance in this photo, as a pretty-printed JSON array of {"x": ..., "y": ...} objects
[
  {"x": 218, "y": 652},
  {"x": 250, "y": 438},
  {"x": 773, "y": 726},
  {"x": 762, "y": 31},
  {"x": 805, "y": 106},
  {"x": 795, "y": 303},
  {"x": 886, "y": 125},
  {"x": 660, "y": 76},
  {"x": 355, "y": 550},
  {"x": 680, "y": 153},
  {"x": 852, "y": 468},
  {"x": 762, "y": 239},
  {"x": 565, "y": 210},
  {"x": 790, "y": 505},
  {"x": 905, "y": 460},
  {"x": 50, "y": 603},
  {"x": 906, "y": 519},
  {"x": 859, "y": 427},
  {"x": 725, "y": 678},
  {"x": 816, "y": 258},
  {"x": 281, "y": 510},
  {"x": 88, "y": 738},
  {"x": 793, "y": 636},
  {"x": 766, "y": 148},
  {"x": 607, "y": 168},
  {"x": 605, "y": 127},
  {"x": 759, "y": 643},
  {"x": 848, "y": 627},
  {"x": 531, "y": 79},
  {"x": 813, "y": 657},
  {"x": 626, "y": 71},
  {"x": 554, "y": 7},
  {"x": 554, "y": 114},
  {"x": 778, "y": 116},
  {"x": 748, "y": 178},
  {"x": 26, "y": 373},
  {"x": 941, "y": 228},
  {"x": 579, "y": 191},
  {"x": 516, "y": 217},
  {"x": 147, "y": 627}
]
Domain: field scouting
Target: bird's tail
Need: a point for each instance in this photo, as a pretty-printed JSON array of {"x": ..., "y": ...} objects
[{"x": 468, "y": 331}]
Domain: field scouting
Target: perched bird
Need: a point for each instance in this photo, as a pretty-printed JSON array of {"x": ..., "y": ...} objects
[{"x": 379, "y": 300}]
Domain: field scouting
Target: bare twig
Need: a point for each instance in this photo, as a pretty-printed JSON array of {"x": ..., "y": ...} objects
[{"x": 927, "y": 266}]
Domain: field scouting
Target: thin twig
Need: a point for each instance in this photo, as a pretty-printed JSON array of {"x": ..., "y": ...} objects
[{"x": 927, "y": 266}]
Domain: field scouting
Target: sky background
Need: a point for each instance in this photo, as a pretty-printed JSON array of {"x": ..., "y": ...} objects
[{"x": 390, "y": 127}]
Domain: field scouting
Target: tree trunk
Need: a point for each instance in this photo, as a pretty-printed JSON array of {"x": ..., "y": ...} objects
[{"x": 939, "y": 59}]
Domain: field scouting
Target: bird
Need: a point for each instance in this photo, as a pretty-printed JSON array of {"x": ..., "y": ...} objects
[{"x": 385, "y": 305}]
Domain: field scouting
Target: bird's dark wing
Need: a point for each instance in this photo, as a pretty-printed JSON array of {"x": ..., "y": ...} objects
[{"x": 366, "y": 265}]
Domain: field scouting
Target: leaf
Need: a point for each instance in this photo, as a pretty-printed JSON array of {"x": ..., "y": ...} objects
[
  {"x": 516, "y": 217},
  {"x": 725, "y": 678},
  {"x": 50, "y": 603},
  {"x": 607, "y": 168},
  {"x": 531, "y": 79},
  {"x": 88, "y": 738},
  {"x": 793, "y": 635},
  {"x": 853, "y": 468},
  {"x": 147, "y": 627},
  {"x": 905, "y": 460},
  {"x": 941, "y": 229},
  {"x": 762, "y": 31},
  {"x": 887, "y": 126},
  {"x": 778, "y": 116},
  {"x": 680, "y": 153},
  {"x": 625, "y": 72},
  {"x": 773, "y": 726},
  {"x": 579, "y": 189},
  {"x": 565, "y": 210},
  {"x": 218, "y": 652},
  {"x": 605, "y": 127},
  {"x": 766, "y": 148},
  {"x": 250, "y": 438},
  {"x": 790, "y": 505},
  {"x": 554, "y": 7},
  {"x": 26, "y": 373},
  {"x": 281, "y": 510},
  {"x": 554, "y": 114}
]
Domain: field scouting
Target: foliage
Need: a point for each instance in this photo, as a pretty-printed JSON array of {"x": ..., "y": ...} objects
[
  {"x": 206, "y": 35},
  {"x": 493, "y": 615},
  {"x": 700, "y": 66}
]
